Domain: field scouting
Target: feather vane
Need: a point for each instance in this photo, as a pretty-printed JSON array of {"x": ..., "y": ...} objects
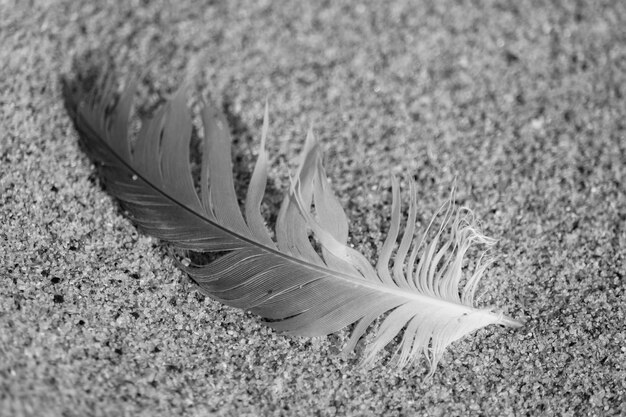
[{"x": 286, "y": 281}]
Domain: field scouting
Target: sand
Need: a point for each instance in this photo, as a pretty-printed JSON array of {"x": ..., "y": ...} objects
[{"x": 523, "y": 103}]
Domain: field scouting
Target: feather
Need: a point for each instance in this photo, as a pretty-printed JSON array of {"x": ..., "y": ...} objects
[{"x": 297, "y": 289}]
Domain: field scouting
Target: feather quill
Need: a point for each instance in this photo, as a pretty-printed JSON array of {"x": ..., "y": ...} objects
[{"x": 286, "y": 281}]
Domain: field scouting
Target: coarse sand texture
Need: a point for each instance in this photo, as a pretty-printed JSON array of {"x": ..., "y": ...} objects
[{"x": 520, "y": 104}]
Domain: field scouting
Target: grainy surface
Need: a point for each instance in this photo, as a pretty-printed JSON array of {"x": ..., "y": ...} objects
[{"x": 523, "y": 102}]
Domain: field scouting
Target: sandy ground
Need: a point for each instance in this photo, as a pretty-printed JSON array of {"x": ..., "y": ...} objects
[{"x": 522, "y": 102}]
